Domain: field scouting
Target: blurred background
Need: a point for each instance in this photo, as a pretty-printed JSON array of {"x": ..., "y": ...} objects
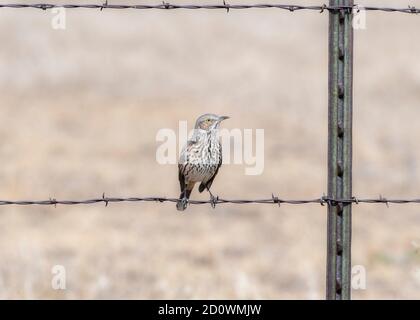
[{"x": 80, "y": 110}]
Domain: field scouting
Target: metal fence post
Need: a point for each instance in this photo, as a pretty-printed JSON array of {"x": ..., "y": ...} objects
[{"x": 340, "y": 79}]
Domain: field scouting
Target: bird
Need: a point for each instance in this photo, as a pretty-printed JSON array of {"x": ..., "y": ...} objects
[{"x": 200, "y": 159}]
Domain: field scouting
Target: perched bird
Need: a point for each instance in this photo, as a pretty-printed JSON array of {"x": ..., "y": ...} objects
[{"x": 200, "y": 159}]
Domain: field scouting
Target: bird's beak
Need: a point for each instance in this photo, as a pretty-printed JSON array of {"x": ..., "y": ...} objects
[{"x": 221, "y": 118}]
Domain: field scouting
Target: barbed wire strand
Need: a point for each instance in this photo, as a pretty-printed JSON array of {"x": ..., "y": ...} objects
[
  {"x": 223, "y": 6},
  {"x": 213, "y": 201}
]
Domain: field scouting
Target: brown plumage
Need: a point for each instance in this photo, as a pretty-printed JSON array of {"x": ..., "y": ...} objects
[{"x": 200, "y": 159}]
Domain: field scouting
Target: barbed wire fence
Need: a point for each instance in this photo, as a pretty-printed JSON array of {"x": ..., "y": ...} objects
[
  {"x": 339, "y": 198},
  {"x": 324, "y": 200},
  {"x": 223, "y": 6}
]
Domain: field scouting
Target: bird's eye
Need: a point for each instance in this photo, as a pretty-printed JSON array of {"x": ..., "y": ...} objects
[{"x": 208, "y": 120}]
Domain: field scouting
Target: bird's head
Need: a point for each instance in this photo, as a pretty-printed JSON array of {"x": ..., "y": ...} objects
[{"x": 209, "y": 121}]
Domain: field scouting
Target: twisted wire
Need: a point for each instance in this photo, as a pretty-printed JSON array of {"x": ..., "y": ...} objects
[
  {"x": 213, "y": 201},
  {"x": 223, "y": 6}
]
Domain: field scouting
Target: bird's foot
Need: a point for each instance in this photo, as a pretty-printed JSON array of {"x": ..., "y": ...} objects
[
  {"x": 213, "y": 200},
  {"x": 182, "y": 204}
]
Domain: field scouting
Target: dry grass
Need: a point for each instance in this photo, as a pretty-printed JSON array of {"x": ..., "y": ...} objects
[{"x": 80, "y": 111}]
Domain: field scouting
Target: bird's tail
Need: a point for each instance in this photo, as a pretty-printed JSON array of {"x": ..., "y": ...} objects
[{"x": 182, "y": 203}]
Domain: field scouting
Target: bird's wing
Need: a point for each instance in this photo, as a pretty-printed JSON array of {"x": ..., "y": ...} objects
[
  {"x": 210, "y": 181},
  {"x": 183, "y": 161}
]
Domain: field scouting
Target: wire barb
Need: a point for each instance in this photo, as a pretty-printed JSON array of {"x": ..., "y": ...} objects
[
  {"x": 384, "y": 200},
  {"x": 275, "y": 199},
  {"x": 53, "y": 202},
  {"x": 227, "y": 6},
  {"x": 44, "y": 6},
  {"x": 104, "y": 5},
  {"x": 413, "y": 9},
  {"x": 105, "y": 199}
]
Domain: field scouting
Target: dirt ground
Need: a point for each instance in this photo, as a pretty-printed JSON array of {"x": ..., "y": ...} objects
[{"x": 80, "y": 110}]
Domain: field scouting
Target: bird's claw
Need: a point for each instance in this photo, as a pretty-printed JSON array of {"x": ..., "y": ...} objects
[
  {"x": 213, "y": 200},
  {"x": 182, "y": 204}
]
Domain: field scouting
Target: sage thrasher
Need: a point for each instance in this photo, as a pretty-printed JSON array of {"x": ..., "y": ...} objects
[{"x": 200, "y": 159}]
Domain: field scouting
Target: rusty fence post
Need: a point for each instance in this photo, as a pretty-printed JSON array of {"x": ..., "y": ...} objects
[{"x": 340, "y": 79}]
